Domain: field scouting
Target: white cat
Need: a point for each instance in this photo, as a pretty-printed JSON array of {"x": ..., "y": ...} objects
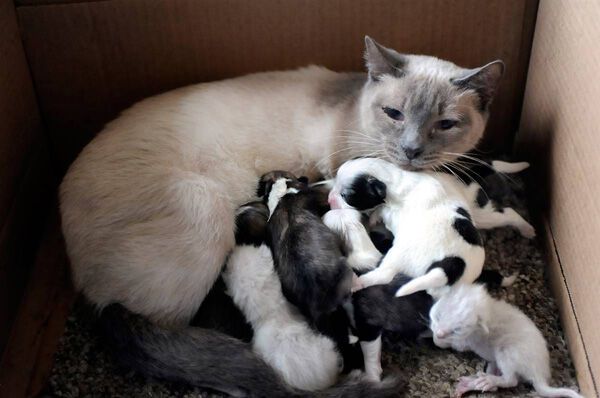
[
  {"x": 148, "y": 206},
  {"x": 469, "y": 319}
]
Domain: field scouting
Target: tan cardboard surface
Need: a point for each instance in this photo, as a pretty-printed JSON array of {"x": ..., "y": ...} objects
[
  {"x": 90, "y": 60},
  {"x": 559, "y": 131}
]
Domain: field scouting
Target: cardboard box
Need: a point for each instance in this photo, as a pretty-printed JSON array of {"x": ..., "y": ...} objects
[{"x": 68, "y": 67}]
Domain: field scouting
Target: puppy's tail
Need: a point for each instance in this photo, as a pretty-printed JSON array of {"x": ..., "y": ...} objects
[
  {"x": 434, "y": 278},
  {"x": 508, "y": 167},
  {"x": 493, "y": 279},
  {"x": 207, "y": 358},
  {"x": 542, "y": 388}
]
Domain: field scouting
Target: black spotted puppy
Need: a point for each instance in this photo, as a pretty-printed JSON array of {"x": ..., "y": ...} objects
[
  {"x": 433, "y": 218},
  {"x": 375, "y": 310}
]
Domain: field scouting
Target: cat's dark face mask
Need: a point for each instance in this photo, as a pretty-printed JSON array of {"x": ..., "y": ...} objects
[{"x": 420, "y": 112}]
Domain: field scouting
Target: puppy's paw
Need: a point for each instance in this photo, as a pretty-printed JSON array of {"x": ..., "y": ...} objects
[
  {"x": 485, "y": 382},
  {"x": 527, "y": 231},
  {"x": 373, "y": 278},
  {"x": 374, "y": 374},
  {"x": 356, "y": 284},
  {"x": 464, "y": 385}
]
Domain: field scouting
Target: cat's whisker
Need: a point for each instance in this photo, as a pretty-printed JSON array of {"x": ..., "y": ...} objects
[
  {"x": 359, "y": 152},
  {"x": 331, "y": 155},
  {"x": 359, "y": 137},
  {"x": 474, "y": 159},
  {"x": 450, "y": 170},
  {"x": 500, "y": 173},
  {"x": 464, "y": 169},
  {"x": 358, "y": 141},
  {"x": 470, "y": 174},
  {"x": 354, "y": 132}
]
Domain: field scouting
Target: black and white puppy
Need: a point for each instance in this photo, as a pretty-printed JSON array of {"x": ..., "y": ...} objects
[
  {"x": 309, "y": 257},
  {"x": 433, "y": 218},
  {"x": 316, "y": 277},
  {"x": 375, "y": 310},
  {"x": 304, "y": 358}
]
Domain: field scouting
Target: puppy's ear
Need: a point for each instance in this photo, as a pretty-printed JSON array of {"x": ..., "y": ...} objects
[
  {"x": 261, "y": 188},
  {"x": 251, "y": 224},
  {"x": 378, "y": 188},
  {"x": 264, "y": 187}
]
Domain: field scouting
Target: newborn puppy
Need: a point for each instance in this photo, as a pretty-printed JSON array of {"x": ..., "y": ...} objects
[
  {"x": 432, "y": 217},
  {"x": 468, "y": 319},
  {"x": 364, "y": 251},
  {"x": 308, "y": 256},
  {"x": 375, "y": 309},
  {"x": 304, "y": 358}
]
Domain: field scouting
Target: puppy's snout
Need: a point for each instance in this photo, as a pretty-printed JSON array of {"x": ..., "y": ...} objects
[{"x": 333, "y": 200}]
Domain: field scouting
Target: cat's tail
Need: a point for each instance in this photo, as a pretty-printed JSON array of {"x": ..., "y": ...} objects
[
  {"x": 209, "y": 358},
  {"x": 542, "y": 388}
]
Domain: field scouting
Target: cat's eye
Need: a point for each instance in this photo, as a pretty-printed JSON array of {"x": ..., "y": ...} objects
[
  {"x": 393, "y": 113},
  {"x": 446, "y": 124}
]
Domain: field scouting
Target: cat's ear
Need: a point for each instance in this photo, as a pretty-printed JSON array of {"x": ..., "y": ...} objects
[
  {"x": 484, "y": 81},
  {"x": 382, "y": 61}
]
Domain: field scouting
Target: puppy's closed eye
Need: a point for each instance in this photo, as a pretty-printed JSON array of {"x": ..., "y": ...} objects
[{"x": 378, "y": 188}]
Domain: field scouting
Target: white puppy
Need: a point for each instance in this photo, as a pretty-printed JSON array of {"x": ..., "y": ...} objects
[
  {"x": 304, "y": 358},
  {"x": 467, "y": 318}
]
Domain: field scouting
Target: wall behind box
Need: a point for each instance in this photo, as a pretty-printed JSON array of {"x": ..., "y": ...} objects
[{"x": 90, "y": 60}]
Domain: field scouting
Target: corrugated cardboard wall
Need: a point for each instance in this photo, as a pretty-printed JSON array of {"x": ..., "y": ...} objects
[
  {"x": 24, "y": 183},
  {"x": 90, "y": 60},
  {"x": 560, "y": 133}
]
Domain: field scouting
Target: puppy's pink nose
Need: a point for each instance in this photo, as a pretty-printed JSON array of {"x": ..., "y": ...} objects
[{"x": 333, "y": 200}]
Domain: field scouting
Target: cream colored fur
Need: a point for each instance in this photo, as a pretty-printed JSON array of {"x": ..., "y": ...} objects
[{"x": 148, "y": 206}]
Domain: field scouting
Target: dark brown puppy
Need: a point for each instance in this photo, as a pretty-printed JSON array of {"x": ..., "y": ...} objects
[{"x": 309, "y": 257}]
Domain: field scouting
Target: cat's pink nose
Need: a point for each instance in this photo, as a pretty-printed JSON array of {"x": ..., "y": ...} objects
[{"x": 441, "y": 334}]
